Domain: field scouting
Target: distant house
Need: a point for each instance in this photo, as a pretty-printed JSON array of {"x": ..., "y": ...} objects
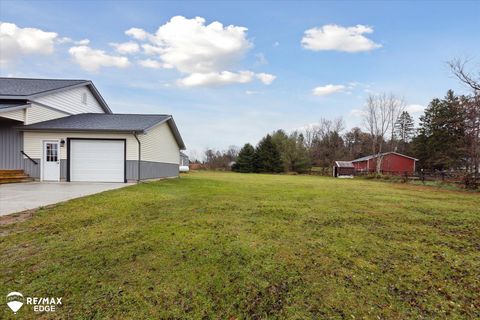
[
  {"x": 391, "y": 163},
  {"x": 184, "y": 162},
  {"x": 343, "y": 169},
  {"x": 55, "y": 130}
]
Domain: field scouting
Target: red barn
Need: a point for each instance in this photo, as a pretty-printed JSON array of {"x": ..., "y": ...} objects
[{"x": 391, "y": 163}]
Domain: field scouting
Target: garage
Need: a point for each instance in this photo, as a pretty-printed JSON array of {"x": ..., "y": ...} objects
[{"x": 96, "y": 160}]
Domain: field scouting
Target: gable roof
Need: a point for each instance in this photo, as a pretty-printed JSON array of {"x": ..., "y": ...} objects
[
  {"x": 130, "y": 123},
  {"x": 380, "y": 155},
  {"x": 27, "y": 88}
]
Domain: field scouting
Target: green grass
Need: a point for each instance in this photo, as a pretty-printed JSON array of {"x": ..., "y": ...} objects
[{"x": 219, "y": 245}]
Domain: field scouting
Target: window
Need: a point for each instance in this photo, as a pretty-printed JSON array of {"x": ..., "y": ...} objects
[
  {"x": 84, "y": 98},
  {"x": 52, "y": 152}
]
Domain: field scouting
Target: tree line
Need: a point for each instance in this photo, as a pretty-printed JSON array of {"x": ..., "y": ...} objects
[{"x": 447, "y": 136}]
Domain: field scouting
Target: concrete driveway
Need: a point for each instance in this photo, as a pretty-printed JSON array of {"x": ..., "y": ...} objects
[{"x": 16, "y": 197}]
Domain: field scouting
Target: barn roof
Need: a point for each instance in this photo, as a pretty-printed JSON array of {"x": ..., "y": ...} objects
[
  {"x": 344, "y": 164},
  {"x": 382, "y": 154}
]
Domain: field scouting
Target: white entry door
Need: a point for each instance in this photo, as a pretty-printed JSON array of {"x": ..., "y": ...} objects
[
  {"x": 51, "y": 161},
  {"x": 97, "y": 160}
]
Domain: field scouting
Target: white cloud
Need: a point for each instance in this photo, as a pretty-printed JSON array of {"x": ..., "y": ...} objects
[
  {"x": 224, "y": 78},
  {"x": 150, "y": 50},
  {"x": 82, "y": 42},
  {"x": 191, "y": 46},
  {"x": 92, "y": 60},
  {"x": 251, "y": 92},
  {"x": 16, "y": 41},
  {"x": 328, "y": 89},
  {"x": 149, "y": 63},
  {"x": 265, "y": 78},
  {"x": 137, "y": 33},
  {"x": 414, "y": 108},
  {"x": 335, "y": 37},
  {"x": 216, "y": 78},
  {"x": 204, "y": 52},
  {"x": 126, "y": 47}
]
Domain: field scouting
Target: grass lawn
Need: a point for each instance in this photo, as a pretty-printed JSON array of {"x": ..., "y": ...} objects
[{"x": 239, "y": 246}]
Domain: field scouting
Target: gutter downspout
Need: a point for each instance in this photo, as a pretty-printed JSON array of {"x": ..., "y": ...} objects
[{"x": 139, "y": 155}]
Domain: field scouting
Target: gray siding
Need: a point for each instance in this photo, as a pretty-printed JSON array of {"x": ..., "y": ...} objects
[
  {"x": 63, "y": 169},
  {"x": 151, "y": 170},
  {"x": 11, "y": 143},
  {"x": 32, "y": 169}
]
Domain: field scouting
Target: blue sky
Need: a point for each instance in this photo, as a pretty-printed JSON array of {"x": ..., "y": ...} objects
[{"x": 235, "y": 86}]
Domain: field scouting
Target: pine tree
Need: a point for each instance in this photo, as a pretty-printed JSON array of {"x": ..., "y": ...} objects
[
  {"x": 245, "y": 159},
  {"x": 267, "y": 157},
  {"x": 404, "y": 130},
  {"x": 441, "y": 140},
  {"x": 294, "y": 154}
]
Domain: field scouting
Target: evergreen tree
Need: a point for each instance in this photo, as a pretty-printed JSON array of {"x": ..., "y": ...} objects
[
  {"x": 299, "y": 158},
  {"x": 294, "y": 154},
  {"x": 245, "y": 159},
  {"x": 441, "y": 140},
  {"x": 404, "y": 130},
  {"x": 267, "y": 157}
]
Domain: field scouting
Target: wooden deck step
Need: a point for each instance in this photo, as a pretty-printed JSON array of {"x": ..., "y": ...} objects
[
  {"x": 5, "y": 171},
  {"x": 16, "y": 180},
  {"x": 14, "y": 176}
]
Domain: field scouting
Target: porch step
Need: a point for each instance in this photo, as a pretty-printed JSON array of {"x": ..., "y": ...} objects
[
  {"x": 14, "y": 176},
  {"x": 9, "y": 172}
]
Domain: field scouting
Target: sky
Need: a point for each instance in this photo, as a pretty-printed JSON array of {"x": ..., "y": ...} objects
[{"x": 230, "y": 72}]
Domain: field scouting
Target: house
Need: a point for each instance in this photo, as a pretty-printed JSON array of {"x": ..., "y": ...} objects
[
  {"x": 343, "y": 169},
  {"x": 63, "y": 130},
  {"x": 391, "y": 163}
]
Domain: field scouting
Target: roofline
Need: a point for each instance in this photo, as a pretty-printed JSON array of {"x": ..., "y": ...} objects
[
  {"x": 87, "y": 83},
  {"x": 46, "y": 91},
  {"x": 176, "y": 133},
  {"x": 22, "y": 128},
  {"x": 49, "y": 107},
  {"x": 24, "y": 106},
  {"x": 384, "y": 153},
  {"x": 360, "y": 160},
  {"x": 99, "y": 97},
  {"x": 337, "y": 161}
]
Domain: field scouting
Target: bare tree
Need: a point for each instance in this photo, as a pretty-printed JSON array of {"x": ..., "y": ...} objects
[
  {"x": 471, "y": 105},
  {"x": 381, "y": 112},
  {"x": 458, "y": 68},
  {"x": 327, "y": 144},
  {"x": 310, "y": 133},
  {"x": 396, "y": 105}
]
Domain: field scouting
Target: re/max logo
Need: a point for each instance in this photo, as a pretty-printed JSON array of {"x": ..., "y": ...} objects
[
  {"x": 45, "y": 300},
  {"x": 44, "y": 304}
]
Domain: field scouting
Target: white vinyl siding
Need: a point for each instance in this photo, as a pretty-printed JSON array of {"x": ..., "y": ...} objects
[
  {"x": 37, "y": 113},
  {"x": 33, "y": 142},
  {"x": 159, "y": 145},
  {"x": 71, "y": 101},
  {"x": 18, "y": 115}
]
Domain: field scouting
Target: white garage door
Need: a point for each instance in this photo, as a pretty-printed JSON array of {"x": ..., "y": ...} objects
[{"x": 97, "y": 160}]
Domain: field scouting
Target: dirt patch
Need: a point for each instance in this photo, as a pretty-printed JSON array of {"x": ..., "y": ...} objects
[{"x": 17, "y": 217}]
